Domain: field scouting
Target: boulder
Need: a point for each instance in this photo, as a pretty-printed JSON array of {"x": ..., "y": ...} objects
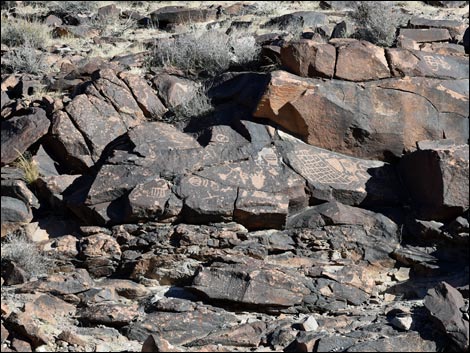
[
  {"x": 251, "y": 284},
  {"x": 361, "y": 61},
  {"x": 377, "y": 119},
  {"x": 15, "y": 211},
  {"x": 19, "y": 133},
  {"x": 445, "y": 303},
  {"x": 424, "y": 64},
  {"x": 302, "y": 19},
  {"x": 100, "y": 253},
  {"x": 456, "y": 28},
  {"x": 426, "y": 35},
  {"x": 442, "y": 169},
  {"x": 171, "y": 15},
  {"x": 308, "y": 58}
]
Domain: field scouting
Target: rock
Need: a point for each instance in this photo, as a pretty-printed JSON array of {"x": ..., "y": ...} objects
[
  {"x": 68, "y": 145},
  {"x": 426, "y": 35},
  {"x": 443, "y": 170},
  {"x": 361, "y": 61},
  {"x": 402, "y": 323},
  {"x": 155, "y": 343},
  {"x": 180, "y": 328},
  {"x": 444, "y": 303},
  {"x": 46, "y": 165},
  {"x": 19, "y": 133},
  {"x": 108, "y": 11},
  {"x": 335, "y": 5},
  {"x": 4, "y": 332},
  {"x": 258, "y": 209},
  {"x": 305, "y": 342},
  {"x": 408, "y": 342},
  {"x": 352, "y": 117},
  {"x": 449, "y": 4},
  {"x": 171, "y": 15},
  {"x": 125, "y": 288},
  {"x": 331, "y": 176},
  {"x": 309, "y": 324},
  {"x": 100, "y": 253},
  {"x": 307, "y": 58},
  {"x": 334, "y": 343},
  {"x": 13, "y": 274},
  {"x": 109, "y": 314},
  {"x": 245, "y": 335},
  {"x": 17, "y": 189},
  {"x": 41, "y": 319},
  {"x": 174, "y": 90},
  {"x": 61, "y": 284},
  {"x": 417, "y": 63},
  {"x": 302, "y": 19},
  {"x": 148, "y": 101},
  {"x": 15, "y": 211},
  {"x": 456, "y": 28},
  {"x": 444, "y": 48},
  {"x": 53, "y": 21},
  {"x": 251, "y": 284}
]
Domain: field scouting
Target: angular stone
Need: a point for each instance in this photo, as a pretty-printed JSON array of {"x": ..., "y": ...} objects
[
  {"x": 444, "y": 48},
  {"x": 206, "y": 200},
  {"x": 308, "y": 58},
  {"x": 19, "y": 133},
  {"x": 41, "y": 319},
  {"x": 426, "y": 35},
  {"x": 361, "y": 61},
  {"x": 371, "y": 120},
  {"x": 68, "y": 145},
  {"x": 15, "y": 211},
  {"x": 144, "y": 95},
  {"x": 332, "y": 176},
  {"x": 309, "y": 324},
  {"x": 456, "y": 28},
  {"x": 109, "y": 11},
  {"x": 61, "y": 284},
  {"x": 149, "y": 138},
  {"x": 444, "y": 171},
  {"x": 251, "y": 284},
  {"x": 180, "y": 328},
  {"x": 13, "y": 274},
  {"x": 444, "y": 303},
  {"x": 125, "y": 288},
  {"x": 245, "y": 335},
  {"x": 109, "y": 314},
  {"x": 17, "y": 189},
  {"x": 170, "y": 15},
  {"x": 303, "y": 19},
  {"x": 259, "y": 210},
  {"x": 174, "y": 90},
  {"x": 449, "y": 4},
  {"x": 417, "y": 63},
  {"x": 154, "y": 343},
  {"x": 149, "y": 200},
  {"x": 407, "y": 342},
  {"x": 101, "y": 254}
]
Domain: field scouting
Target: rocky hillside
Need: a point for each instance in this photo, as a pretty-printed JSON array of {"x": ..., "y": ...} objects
[{"x": 235, "y": 176}]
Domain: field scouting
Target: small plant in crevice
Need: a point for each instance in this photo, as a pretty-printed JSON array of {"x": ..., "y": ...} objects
[{"x": 28, "y": 166}]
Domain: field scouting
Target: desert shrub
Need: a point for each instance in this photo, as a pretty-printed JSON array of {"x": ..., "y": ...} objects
[
  {"x": 25, "y": 59},
  {"x": 199, "y": 104},
  {"x": 378, "y": 21},
  {"x": 73, "y": 7},
  {"x": 26, "y": 254},
  {"x": 211, "y": 52},
  {"x": 20, "y": 32},
  {"x": 28, "y": 166}
]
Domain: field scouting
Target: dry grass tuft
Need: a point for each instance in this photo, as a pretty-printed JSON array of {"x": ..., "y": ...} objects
[{"x": 28, "y": 166}]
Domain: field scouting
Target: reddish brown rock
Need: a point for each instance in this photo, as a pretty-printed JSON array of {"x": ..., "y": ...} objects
[
  {"x": 370, "y": 120},
  {"x": 155, "y": 343},
  {"x": 426, "y": 35},
  {"x": 126, "y": 288},
  {"x": 455, "y": 28},
  {"x": 144, "y": 95},
  {"x": 109, "y": 314},
  {"x": 444, "y": 170},
  {"x": 424, "y": 64},
  {"x": 19, "y": 133},
  {"x": 41, "y": 319},
  {"x": 361, "y": 61},
  {"x": 308, "y": 58},
  {"x": 61, "y": 284},
  {"x": 101, "y": 254},
  {"x": 174, "y": 90},
  {"x": 251, "y": 284},
  {"x": 245, "y": 335}
]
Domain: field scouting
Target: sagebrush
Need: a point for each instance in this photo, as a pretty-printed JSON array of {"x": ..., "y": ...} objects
[
  {"x": 377, "y": 20},
  {"x": 211, "y": 52},
  {"x": 20, "y": 32},
  {"x": 26, "y": 254}
]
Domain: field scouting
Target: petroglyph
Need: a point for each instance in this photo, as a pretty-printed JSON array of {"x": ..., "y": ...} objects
[
  {"x": 221, "y": 138},
  {"x": 435, "y": 62},
  {"x": 205, "y": 183},
  {"x": 326, "y": 168}
]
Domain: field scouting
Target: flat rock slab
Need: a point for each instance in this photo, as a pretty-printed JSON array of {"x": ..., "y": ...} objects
[
  {"x": 15, "y": 211},
  {"x": 443, "y": 170},
  {"x": 417, "y": 63},
  {"x": 170, "y": 15},
  {"x": 19, "y": 133},
  {"x": 180, "y": 328},
  {"x": 426, "y": 35},
  {"x": 251, "y": 284},
  {"x": 369, "y": 120},
  {"x": 332, "y": 176}
]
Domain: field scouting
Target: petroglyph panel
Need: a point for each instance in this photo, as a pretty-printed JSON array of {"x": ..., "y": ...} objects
[{"x": 149, "y": 199}]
